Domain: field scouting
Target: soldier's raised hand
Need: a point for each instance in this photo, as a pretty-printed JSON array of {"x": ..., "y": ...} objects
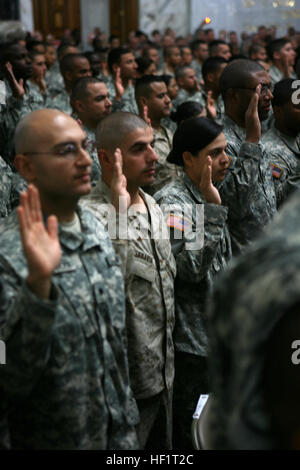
[
  {"x": 120, "y": 197},
  {"x": 210, "y": 106},
  {"x": 145, "y": 115},
  {"x": 119, "y": 84},
  {"x": 252, "y": 122},
  {"x": 206, "y": 186},
  {"x": 17, "y": 87},
  {"x": 40, "y": 244}
]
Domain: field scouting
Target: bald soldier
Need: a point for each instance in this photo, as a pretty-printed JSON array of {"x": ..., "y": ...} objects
[
  {"x": 128, "y": 162},
  {"x": 65, "y": 384}
]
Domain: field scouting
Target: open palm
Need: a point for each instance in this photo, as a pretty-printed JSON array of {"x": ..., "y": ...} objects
[{"x": 40, "y": 244}]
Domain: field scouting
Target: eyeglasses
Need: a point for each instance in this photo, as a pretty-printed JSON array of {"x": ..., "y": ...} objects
[
  {"x": 67, "y": 151},
  {"x": 263, "y": 91}
]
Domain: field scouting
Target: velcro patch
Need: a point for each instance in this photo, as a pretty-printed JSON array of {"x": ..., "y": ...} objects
[
  {"x": 177, "y": 222},
  {"x": 276, "y": 170},
  {"x": 229, "y": 161}
]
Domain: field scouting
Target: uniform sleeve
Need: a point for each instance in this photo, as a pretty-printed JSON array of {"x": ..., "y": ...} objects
[
  {"x": 26, "y": 328},
  {"x": 242, "y": 179},
  {"x": 194, "y": 245}
]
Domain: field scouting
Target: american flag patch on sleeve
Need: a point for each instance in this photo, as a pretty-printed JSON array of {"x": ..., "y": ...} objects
[
  {"x": 177, "y": 222},
  {"x": 276, "y": 170}
]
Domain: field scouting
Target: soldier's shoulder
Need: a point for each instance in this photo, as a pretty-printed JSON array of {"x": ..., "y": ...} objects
[{"x": 175, "y": 191}]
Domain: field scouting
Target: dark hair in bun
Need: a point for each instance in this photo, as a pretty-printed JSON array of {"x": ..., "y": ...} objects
[
  {"x": 186, "y": 110},
  {"x": 193, "y": 135}
]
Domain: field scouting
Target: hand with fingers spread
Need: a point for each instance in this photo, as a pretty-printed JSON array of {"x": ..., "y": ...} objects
[
  {"x": 118, "y": 186},
  {"x": 252, "y": 122},
  {"x": 145, "y": 115},
  {"x": 207, "y": 188},
  {"x": 119, "y": 85},
  {"x": 17, "y": 87},
  {"x": 210, "y": 106},
  {"x": 41, "y": 82},
  {"x": 40, "y": 244}
]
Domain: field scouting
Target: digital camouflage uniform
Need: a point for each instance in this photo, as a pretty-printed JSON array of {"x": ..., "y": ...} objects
[
  {"x": 127, "y": 103},
  {"x": 198, "y": 69},
  {"x": 14, "y": 110},
  {"x": 164, "y": 172},
  {"x": 248, "y": 189},
  {"x": 54, "y": 80},
  {"x": 201, "y": 246},
  {"x": 284, "y": 154},
  {"x": 11, "y": 185},
  {"x": 96, "y": 168},
  {"x": 6, "y": 176},
  {"x": 184, "y": 96},
  {"x": 61, "y": 101},
  {"x": 276, "y": 75},
  {"x": 248, "y": 301},
  {"x": 149, "y": 272},
  {"x": 66, "y": 375},
  {"x": 218, "y": 104}
]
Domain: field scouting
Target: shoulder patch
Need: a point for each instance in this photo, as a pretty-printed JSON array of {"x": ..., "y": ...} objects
[
  {"x": 229, "y": 161},
  {"x": 178, "y": 222},
  {"x": 276, "y": 170}
]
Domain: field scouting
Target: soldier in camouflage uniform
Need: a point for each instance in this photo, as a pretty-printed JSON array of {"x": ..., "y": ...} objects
[
  {"x": 189, "y": 89},
  {"x": 200, "y": 53},
  {"x": 123, "y": 67},
  {"x": 255, "y": 385},
  {"x": 73, "y": 67},
  {"x": 11, "y": 186},
  {"x": 282, "y": 55},
  {"x": 248, "y": 189},
  {"x": 16, "y": 69},
  {"x": 282, "y": 141},
  {"x": 54, "y": 78},
  {"x": 201, "y": 245},
  {"x": 211, "y": 97},
  {"x": 151, "y": 92},
  {"x": 66, "y": 380},
  {"x": 149, "y": 271},
  {"x": 90, "y": 103}
]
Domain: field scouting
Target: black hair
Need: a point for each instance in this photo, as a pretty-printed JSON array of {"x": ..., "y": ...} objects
[
  {"x": 143, "y": 85},
  {"x": 143, "y": 63},
  {"x": 237, "y": 74},
  {"x": 195, "y": 44},
  {"x": 212, "y": 65},
  {"x": 276, "y": 46},
  {"x": 167, "y": 79},
  {"x": 193, "y": 135},
  {"x": 186, "y": 110},
  {"x": 114, "y": 56},
  {"x": 80, "y": 87},
  {"x": 67, "y": 62},
  {"x": 283, "y": 92}
]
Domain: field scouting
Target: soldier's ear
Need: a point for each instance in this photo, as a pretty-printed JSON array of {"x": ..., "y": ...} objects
[
  {"x": 143, "y": 101},
  {"x": 78, "y": 105},
  {"x": 115, "y": 68},
  {"x": 105, "y": 159},
  {"x": 25, "y": 166},
  {"x": 187, "y": 159}
]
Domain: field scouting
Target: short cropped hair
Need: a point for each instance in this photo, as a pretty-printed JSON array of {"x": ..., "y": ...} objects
[
  {"x": 114, "y": 56},
  {"x": 113, "y": 129},
  {"x": 80, "y": 89},
  {"x": 143, "y": 85},
  {"x": 212, "y": 65}
]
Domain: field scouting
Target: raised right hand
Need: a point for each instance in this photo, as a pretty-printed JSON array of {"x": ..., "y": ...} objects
[
  {"x": 206, "y": 186},
  {"x": 118, "y": 186},
  {"x": 252, "y": 122},
  {"x": 17, "y": 87},
  {"x": 40, "y": 244}
]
